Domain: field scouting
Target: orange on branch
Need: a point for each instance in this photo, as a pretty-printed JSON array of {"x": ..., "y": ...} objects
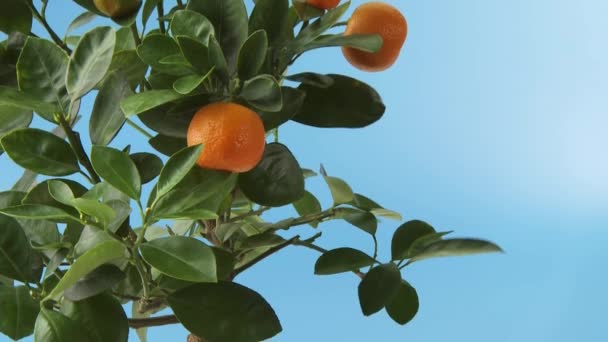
[
  {"x": 323, "y": 4},
  {"x": 232, "y": 135},
  {"x": 376, "y": 18},
  {"x": 117, "y": 8}
]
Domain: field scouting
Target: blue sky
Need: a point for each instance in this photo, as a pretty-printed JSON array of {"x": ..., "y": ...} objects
[{"x": 495, "y": 128}]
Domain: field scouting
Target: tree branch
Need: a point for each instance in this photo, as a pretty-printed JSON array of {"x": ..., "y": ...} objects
[
  {"x": 264, "y": 255},
  {"x": 248, "y": 214},
  {"x": 137, "y": 323},
  {"x": 74, "y": 139}
]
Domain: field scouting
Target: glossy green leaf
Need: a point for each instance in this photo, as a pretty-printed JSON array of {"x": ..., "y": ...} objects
[
  {"x": 154, "y": 48},
  {"x": 99, "y": 280},
  {"x": 122, "y": 210},
  {"x": 103, "y": 253},
  {"x": 41, "y": 72},
  {"x": 261, "y": 240},
  {"x": 100, "y": 211},
  {"x": 181, "y": 258},
  {"x": 41, "y": 152},
  {"x": 15, "y": 251},
  {"x": 188, "y": 84},
  {"x": 18, "y": 312},
  {"x": 363, "y": 220},
  {"x": 52, "y": 326},
  {"x": 308, "y": 204},
  {"x": 191, "y": 24},
  {"x": 263, "y": 92},
  {"x": 139, "y": 103},
  {"x": 79, "y": 21},
  {"x": 229, "y": 18},
  {"x": 252, "y": 55},
  {"x": 272, "y": 17},
  {"x": 116, "y": 168},
  {"x": 40, "y": 194},
  {"x": 40, "y": 232},
  {"x": 405, "y": 235},
  {"x": 39, "y": 212},
  {"x": 90, "y": 237},
  {"x": 177, "y": 168},
  {"x": 209, "y": 310},
  {"x": 148, "y": 165},
  {"x": 218, "y": 59},
  {"x": 404, "y": 306},
  {"x": 15, "y": 16},
  {"x": 107, "y": 118},
  {"x": 127, "y": 64},
  {"x": 347, "y": 103},
  {"x": 319, "y": 26},
  {"x": 456, "y": 247},
  {"x": 12, "y": 118},
  {"x": 420, "y": 243},
  {"x": 19, "y": 99},
  {"x": 364, "y": 42},
  {"x": 292, "y": 101},
  {"x": 55, "y": 261},
  {"x": 341, "y": 192},
  {"x": 60, "y": 192},
  {"x": 167, "y": 145},
  {"x": 101, "y": 317},
  {"x": 90, "y": 61},
  {"x": 304, "y": 11},
  {"x": 196, "y": 53},
  {"x": 342, "y": 260},
  {"x": 364, "y": 203},
  {"x": 276, "y": 180},
  {"x": 378, "y": 288}
]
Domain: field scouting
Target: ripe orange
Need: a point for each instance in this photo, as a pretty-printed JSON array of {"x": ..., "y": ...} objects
[
  {"x": 117, "y": 8},
  {"x": 232, "y": 135},
  {"x": 376, "y": 18},
  {"x": 323, "y": 4}
]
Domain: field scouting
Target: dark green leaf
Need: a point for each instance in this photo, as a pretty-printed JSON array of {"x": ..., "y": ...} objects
[
  {"x": 149, "y": 7},
  {"x": 148, "y": 165},
  {"x": 404, "y": 306},
  {"x": 188, "y": 84},
  {"x": 167, "y": 145},
  {"x": 94, "y": 283},
  {"x": 154, "y": 48},
  {"x": 18, "y": 99},
  {"x": 40, "y": 195},
  {"x": 107, "y": 118},
  {"x": 116, "y": 168},
  {"x": 218, "y": 59},
  {"x": 90, "y": 61},
  {"x": 51, "y": 326},
  {"x": 272, "y": 17},
  {"x": 12, "y": 118},
  {"x": 229, "y": 18},
  {"x": 364, "y": 203},
  {"x": 263, "y": 92},
  {"x": 378, "y": 288},
  {"x": 261, "y": 240},
  {"x": 364, "y": 42},
  {"x": 39, "y": 212},
  {"x": 40, "y": 232},
  {"x": 139, "y": 103},
  {"x": 312, "y": 79},
  {"x": 101, "y": 317},
  {"x": 18, "y": 312},
  {"x": 342, "y": 260},
  {"x": 319, "y": 26},
  {"x": 122, "y": 210},
  {"x": 181, "y": 258},
  {"x": 225, "y": 263},
  {"x": 193, "y": 25},
  {"x": 276, "y": 180},
  {"x": 308, "y": 204},
  {"x": 252, "y": 55},
  {"x": 363, "y": 220},
  {"x": 15, "y": 16},
  {"x": 456, "y": 247},
  {"x": 41, "y": 152},
  {"x": 15, "y": 251},
  {"x": 405, "y": 235},
  {"x": 420, "y": 243},
  {"x": 347, "y": 103},
  {"x": 196, "y": 53},
  {"x": 292, "y": 101},
  {"x": 177, "y": 168},
  {"x": 128, "y": 64},
  {"x": 209, "y": 310}
]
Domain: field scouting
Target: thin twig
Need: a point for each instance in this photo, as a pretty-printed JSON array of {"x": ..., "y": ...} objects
[
  {"x": 135, "y": 34},
  {"x": 47, "y": 27},
  {"x": 264, "y": 255},
  {"x": 161, "y": 13},
  {"x": 248, "y": 214}
]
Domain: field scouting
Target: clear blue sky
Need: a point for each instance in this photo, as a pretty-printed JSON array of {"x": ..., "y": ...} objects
[{"x": 495, "y": 127}]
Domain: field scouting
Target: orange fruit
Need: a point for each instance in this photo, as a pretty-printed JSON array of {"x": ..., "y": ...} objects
[
  {"x": 323, "y": 4},
  {"x": 117, "y": 8},
  {"x": 376, "y": 18},
  {"x": 232, "y": 135}
]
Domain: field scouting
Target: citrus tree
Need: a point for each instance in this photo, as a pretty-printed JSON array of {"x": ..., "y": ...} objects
[{"x": 79, "y": 239}]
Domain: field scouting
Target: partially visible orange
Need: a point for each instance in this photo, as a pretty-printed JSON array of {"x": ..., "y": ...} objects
[
  {"x": 323, "y": 4},
  {"x": 117, "y": 8},
  {"x": 232, "y": 135},
  {"x": 376, "y": 18}
]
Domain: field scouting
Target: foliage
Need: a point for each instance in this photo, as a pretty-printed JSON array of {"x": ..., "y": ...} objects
[{"x": 88, "y": 237}]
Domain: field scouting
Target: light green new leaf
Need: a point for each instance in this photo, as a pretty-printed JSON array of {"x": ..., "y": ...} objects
[
  {"x": 341, "y": 192},
  {"x": 456, "y": 247},
  {"x": 116, "y": 168}
]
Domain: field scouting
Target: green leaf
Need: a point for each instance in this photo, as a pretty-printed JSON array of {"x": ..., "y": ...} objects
[
  {"x": 90, "y": 237},
  {"x": 18, "y": 312},
  {"x": 101, "y": 317},
  {"x": 99, "y": 280},
  {"x": 103, "y": 253},
  {"x": 15, "y": 251},
  {"x": 263, "y": 92},
  {"x": 122, "y": 210},
  {"x": 40, "y": 232},
  {"x": 252, "y": 55},
  {"x": 167, "y": 145},
  {"x": 154, "y": 48},
  {"x": 139, "y": 103},
  {"x": 193, "y": 25},
  {"x": 61, "y": 192},
  {"x": 342, "y": 260},
  {"x": 229, "y": 18},
  {"x": 14, "y": 98},
  {"x": 404, "y": 306},
  {"x": 52, "y": 326},
  {"x": 272, "y": 17},
  {"x": 363, "y": 220},
  {"x": 386, "y": 213},
  {"x": 364, "y": 203},
  {"x": 124, "y": 40},
  {"x": 292, "y": 101},
  {"x": 261, "y": 240},
  {"x": 149, "y": 7},
  {"x": 148, "y": 165},
  {"x": 116, "y": 168},
  {"x": 364, "y": 42},
  {"x": 196, "y": 53},
  {"x": 218, "y": 59},
  {"x": 39, "y": 212},
  {"x": 79, "y": 21},
  {"x": 420, "y": 243},
  {"x": 304, "y": 11},
  {"x": 90, "y": 61},
  {"x": 177, "y": 168},
  {"x": 347, "y": 103},
  {"x": 405, "y": 235},
  {"x": 182, "y": 258},
  {"x": 378, "y": 288},
  {"x": 15, "y": 16},
  {"x": 128, "y": 64},
  {"x": 102, "y": 212},
  {"x": 308, "y": 204},
  {"x": 312, "y": 79},
  {"x": 188, "y": 84},
  {"x": 276, "y": 180},
  {"x": 41, "y": 152},
  {"x": 41, "y": 72},
  {"x": 12, "y": 118},
  {"x": 208, "y": 310},
  {"x": 319, "y": 26},
  {"x": 456, "y": 247},
  {"x": 340, "y": 190},
  {"x": 40, "y": 194},
  {"x": 107, "y": 118}
]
